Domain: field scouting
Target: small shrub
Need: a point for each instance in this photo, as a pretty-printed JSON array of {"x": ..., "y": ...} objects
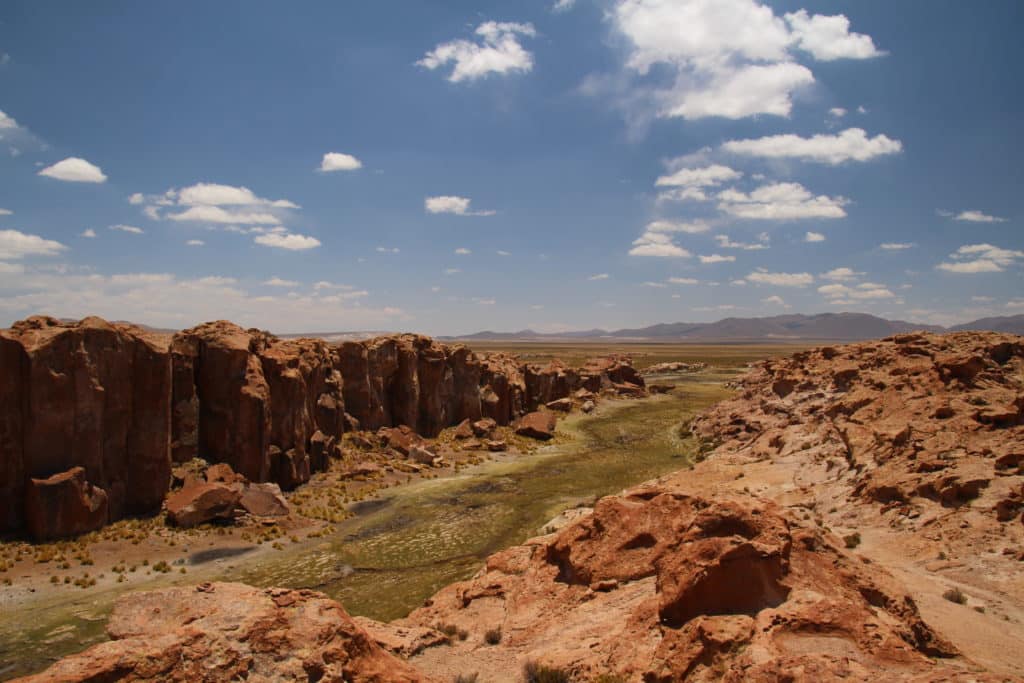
[
  {"x": 955, "y": 595},
  {"x": 492, "y": 636},
  {"x": 541, "y": 673},
  {"x": 853, "y": 540}
]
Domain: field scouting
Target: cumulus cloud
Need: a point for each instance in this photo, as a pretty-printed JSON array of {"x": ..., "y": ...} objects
[
  {"x": 88, "y": 233},
  {"x": 74, "y": 170},
  {"x": 978, "y": 217},
  {"x": 6, "y": 122},
  {"x": 716, "y": 258},
  {"x": 215, "y": 194},
  {"x": 128, "y": 228},
  {"x": 194, "y": 243},
  {"x": 690, "y": 227},
  {"x": 725, "y": 242},
  {"x": 775, "y": 300},
  {"x": 690, "y": 183},
  {"x": 498, "y": 51},
  {"x": 280, "y": 282},
  {"x": 215, "y": 214},
  {"x": 780, "y": 201},
  {"x": 387, "y": 250},
  {"x": 452, "y": 204},
  {"x": 865, "y": 291},
  {"x": 17, "y": 245},
  {"x": 337, "y": 161},
  {"x": 600, "y": 276},
  {"x": 980, "y": 258},
  {"x": 842, "y": 274},
  {"x": 814, "y": 237},
  {"x": 896, "y": 246},
  {"x": 852, "y": 144},
  {"x": 657, "y": 244},
  {"x": 837, "y": 112},
  {"x": 287, "y": 240},
  {"x": 462, "y": 251},
  {"x": 763, "y": 277},
  {"x": 683, "y": 281},
  {"x": 727, "y": 58},
  {"x": 828, "y": 38}
]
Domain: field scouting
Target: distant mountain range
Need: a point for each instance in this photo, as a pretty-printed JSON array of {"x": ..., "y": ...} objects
[{"x": 822, "y": 327}]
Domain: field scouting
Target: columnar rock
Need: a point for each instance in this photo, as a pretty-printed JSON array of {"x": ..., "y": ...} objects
[
  {"x": 89, "y": 394},
  {"x": 503, "y": 388}
]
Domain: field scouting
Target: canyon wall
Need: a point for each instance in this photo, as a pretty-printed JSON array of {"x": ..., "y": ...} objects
[{"x": 124, "y": 404}]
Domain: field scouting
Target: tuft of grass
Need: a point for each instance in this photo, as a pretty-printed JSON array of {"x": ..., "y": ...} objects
[
  {"x": 492, "y": 636},
  {"x": 541, "y": 673},
  {"x": 853, "y": 540},
  {"x": 955, "y": 595}
]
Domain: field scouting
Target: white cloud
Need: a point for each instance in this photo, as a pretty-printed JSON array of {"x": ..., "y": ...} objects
[
  {"x": 387, "y": 250},
  {"x": 828, "y": 38},
  {"x": 15, "y": 245},
  {"x": 683, "y": 281},
  {"x": 763, "y": 277},
  {"x": 980, "y": 258},
  {"x": 814, "y": 237},
  {"x": 726, "y": 243},
  {"x": 501, "y": 252},
  {"x": 709, "y": 176},
  {"x": 774, "y": 300},
  {"x": 136, "y": 198},
  {"x": 897, "y": 246},
  {"x": 563, "y": 5},
  {"x": 499, "y": 51},
  {"x": 462, "y": 251},
  {"x": 6, "y": 122},
  {"x": 865, "y": 291},
  {"x": 978, "y": 217},
  {"x": 852, "y": 144},
  {"x": 74, "y": 170},
  {"x": 657, "y": 244},
  {"x": 337, "y": 161},
  {"x": 452, "y": 271},
  {"x": 780, "y": 201},
  {"x": 6, "y": 212},
  {"x": 483, "y": 301},
  {"x": 843, "y": 274},
  {"x": 692, "y": 227},
  {"x": 152, "y": 212},
  {"x": 194, "y": 243},
  {"x": 289, "y": 241},
  {"x": 600, "y": 276},
  {"x": 716, "y": 258},
  {"x": 837, "y": 112},
  {"x": 656, "y": 285},
  {"x": 215, "y": 214},
  {"x": 128, "y": 228},
  {"x": 279, "y": 282},
  {"x": 215, "y": 194},
  {"x": 452, "y": 204},
  {"x": 88, "y": 233}
]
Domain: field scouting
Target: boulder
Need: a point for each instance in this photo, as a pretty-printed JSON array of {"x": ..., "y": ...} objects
[
  {"x": 264, "y": 500},
  {"x": 201, "y": 503},
  {"x": 464, "y": 430},
  {"x": 222, "y": 472},
  {"x": 537, "y": 425},
  {"x": 496, "y": 446},
  {"x": 484, "y": 428},
  {"x": 562, "y": 405},
  {"x": 224, "y": 632},
  {"x": 64, "y": 505},
  {"x": 422, "y": 455},
  {"x": 401, "y": 438}
]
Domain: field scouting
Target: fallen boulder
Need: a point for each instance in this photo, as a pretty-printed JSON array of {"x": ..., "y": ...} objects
[
  {"x": 537, "y": 425},
  {"x": 201, "y": 503},
  {"x": 562, "y": 405},
  {"x": 64, "y": 505},
  {"x": 264, "y": 500}
]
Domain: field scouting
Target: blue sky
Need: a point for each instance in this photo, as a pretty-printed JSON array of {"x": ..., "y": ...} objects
[{"x": 447, "y": 167}]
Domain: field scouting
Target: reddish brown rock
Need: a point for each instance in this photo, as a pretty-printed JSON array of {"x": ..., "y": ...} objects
[
  {"x": 89, "y": 394},
  {"x": 227, "y": 632},
  {"x": 496, "y": 446},
  {"x": 562, "y": 405},
  {"x": 537, "y": 425},
  {"x": 201, "y": 503},
  {"x": 64, "y": 505},
  {"x": 485, "y": 427},
  {"x": 464, "y": 430},
  {"x": 264, "y": 500},
  {"x": 400, "y": 438}
]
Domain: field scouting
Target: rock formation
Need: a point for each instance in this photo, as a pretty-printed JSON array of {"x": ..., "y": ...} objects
[
  {"x": 228, "y": 632},
  {"x": 124, "y": 404}
]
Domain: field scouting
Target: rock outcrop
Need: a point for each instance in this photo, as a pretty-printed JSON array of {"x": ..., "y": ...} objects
[
  {"x": 658, "y": 585},
  {"x": 93, "y": 395},
  {"x": 124, "y": 404},
  {"x": 228, "y": 632}
]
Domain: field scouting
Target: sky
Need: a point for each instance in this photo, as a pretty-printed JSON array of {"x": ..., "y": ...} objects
[{"x": 446, "y": 166}]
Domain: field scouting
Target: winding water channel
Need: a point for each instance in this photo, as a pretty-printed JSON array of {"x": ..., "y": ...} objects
[{"x": 401, "y": 548}]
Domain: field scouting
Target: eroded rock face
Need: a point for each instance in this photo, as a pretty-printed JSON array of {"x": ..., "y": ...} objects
[
  {"x": 90, "y": 394},
  {"x": 64, "y": 505},
  {"x": 657, "y": 585},
  {"x": 909, "y": 420},
  {"x": 229, "y": 632}
]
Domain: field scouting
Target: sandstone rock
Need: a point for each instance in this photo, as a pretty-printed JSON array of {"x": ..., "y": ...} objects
[
  {"x": 496, "y": 446},
  {"x": 289, "y": 468},
  {"x": 64, "y": 505},
  {"x": 464, "y": 430},
  {"x": 400, "y": 438},
  {"x": 201, "y": 503},
  {"x": 222, "y": 472},
  {"x": 422, "y": 455},
  {"x": 629, "y": 389},
  {"x": 562, "y": 405},
  {"x": 537, "y": 425},
  {"x": 264, "y": 500},
  {"x": 227, "y": 632},
  {"x": 484, "y": 428}
]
